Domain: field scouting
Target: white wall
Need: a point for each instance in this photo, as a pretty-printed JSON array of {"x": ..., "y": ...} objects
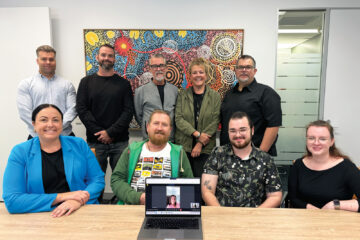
[
  {"x": 22, "y": 31},
  {"x": 343, "y": 80}
]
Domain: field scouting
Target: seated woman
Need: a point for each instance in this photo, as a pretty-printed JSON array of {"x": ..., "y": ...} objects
[
  {"x": 51, "y": 172},
  {"x": 324, "y": 178},
  {"x": 197, "y": 116},
  {"x": 172, "y": 202}
]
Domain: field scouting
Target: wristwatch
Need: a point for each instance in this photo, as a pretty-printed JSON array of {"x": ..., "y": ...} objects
[
  {"x": 336, "y": 204},
  {"x": 197, "y": 136}
]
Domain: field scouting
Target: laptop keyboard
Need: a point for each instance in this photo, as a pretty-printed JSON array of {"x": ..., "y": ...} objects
[{"x": 172, "y": 223}]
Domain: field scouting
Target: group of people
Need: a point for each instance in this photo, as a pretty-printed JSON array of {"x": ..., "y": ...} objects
[{"x": 56, "y": 171}]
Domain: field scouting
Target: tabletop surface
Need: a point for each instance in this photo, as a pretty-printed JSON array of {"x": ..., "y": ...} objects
[{"x": 123, "y": 222}]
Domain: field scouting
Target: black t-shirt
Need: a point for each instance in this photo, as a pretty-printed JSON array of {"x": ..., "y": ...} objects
[
  {"x": 260, "y": 102},
  {"x": 161, "y": 93},
  {"x": 53, "y": 172},
  {"x": 320, "y": 187}
]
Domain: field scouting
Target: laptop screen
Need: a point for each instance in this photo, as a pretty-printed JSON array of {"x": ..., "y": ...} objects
[{"x": 167, "y": 196}]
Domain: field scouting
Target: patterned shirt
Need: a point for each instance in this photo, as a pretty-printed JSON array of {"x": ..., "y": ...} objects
[
  {"x": 242, "y": 182},
  {"x": 151, "y": 164}
]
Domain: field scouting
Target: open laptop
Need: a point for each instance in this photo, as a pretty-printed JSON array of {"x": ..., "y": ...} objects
[{"x": 172, "y": 209}]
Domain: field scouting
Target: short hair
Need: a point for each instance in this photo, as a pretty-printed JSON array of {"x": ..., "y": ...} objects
[
  {"x": 157, "y": 55},
  {"x": 43, "y": 106},
  {"x": 45, "y": 48},
  {"x": 241, "y": 115},
  {"x": 160, "y": 112},
  {"x": 106, "y": 45},
  {"x": 200, "y": 62},
  {"x": 333, "y": 150},
  {"x": 247, "y": 57}
]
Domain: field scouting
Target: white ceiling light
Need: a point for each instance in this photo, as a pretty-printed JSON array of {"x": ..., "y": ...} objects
[{"x": 298, "y": 31}]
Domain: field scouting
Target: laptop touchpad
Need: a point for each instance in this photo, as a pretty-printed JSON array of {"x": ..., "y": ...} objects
[{"x": 171, "y": 234}]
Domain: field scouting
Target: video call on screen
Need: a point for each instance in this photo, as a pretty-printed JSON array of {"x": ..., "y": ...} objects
[{"x": 186, "y": 197}]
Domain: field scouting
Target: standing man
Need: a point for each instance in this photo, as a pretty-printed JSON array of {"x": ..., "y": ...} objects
[
  {"x": 46, "y": 87},
  {"x": 105, "y": 106},
  {"x": 157, "y": 94},
  {"x": 155, "y": 157},
  {"x": 259, "y": 101},
  {"x": 238, "y": 174}
]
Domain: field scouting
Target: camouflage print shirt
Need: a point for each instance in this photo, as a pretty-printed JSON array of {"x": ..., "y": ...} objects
[{"x": 242, "y": 183}]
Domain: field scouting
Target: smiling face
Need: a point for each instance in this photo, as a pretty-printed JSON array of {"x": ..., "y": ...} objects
[
  {"x": 158, "y": 68},
  {"x": 245, "y": 71},
  {"x": 318, "y": 140},
  {"x": 106, "y": 58},
  {"x": 198, "y": 76},
  {"x": 48, "y": 124},
  {"x": 173, "y": 200},
  {"x": 159, "y": 129},
  {"x": 240, "y": 133}
]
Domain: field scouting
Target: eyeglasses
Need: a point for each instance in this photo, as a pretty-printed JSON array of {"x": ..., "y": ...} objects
[
  {"x": 161, "y": 66},
  {"x": 241, "y": 131},
  {"x": 247, "y": 68},
  {"x": 320, "y": 139}
]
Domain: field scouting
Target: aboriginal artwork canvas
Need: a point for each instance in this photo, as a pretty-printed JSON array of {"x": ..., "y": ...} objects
[{"x": 133, "y": 48}]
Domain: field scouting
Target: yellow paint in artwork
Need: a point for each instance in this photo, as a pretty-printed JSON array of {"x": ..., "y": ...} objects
[
  {"x": 91, "y": 38},
  {"x": 123, "y": 46},
  {"x": 110, "y": 34},
  {"x": 182, "y": 33},
  {"x": 159, "y": 34},
  {"x": 134, "y": 34},
  {"x": 88, "y": 66}
]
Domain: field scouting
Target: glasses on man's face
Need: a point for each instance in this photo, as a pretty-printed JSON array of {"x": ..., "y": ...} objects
[
  {"x": 314, "y": 139},
  {"x": 247, "y": 68},
  {"x": 241, "y": 131},
  {"x": 161, "y": 66}
]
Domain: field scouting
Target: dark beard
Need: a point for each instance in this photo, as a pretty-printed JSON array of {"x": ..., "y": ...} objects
[{"x": 106, "y": 65}]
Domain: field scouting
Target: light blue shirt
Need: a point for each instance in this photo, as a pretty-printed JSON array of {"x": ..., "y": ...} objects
[{"x": 37, "y": 90}]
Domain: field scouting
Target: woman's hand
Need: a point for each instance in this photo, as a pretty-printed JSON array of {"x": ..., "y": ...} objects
[
  {"x": 81, "y": 196},
  {"x": 196, "y": 150},
  {"x": 329, "y": 205},
  {"x": 310, "y": 206},
  {"x": 66, "y": 208}
]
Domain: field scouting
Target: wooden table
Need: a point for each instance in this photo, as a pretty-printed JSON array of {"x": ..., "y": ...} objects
[{"x": 123, "y": 222}]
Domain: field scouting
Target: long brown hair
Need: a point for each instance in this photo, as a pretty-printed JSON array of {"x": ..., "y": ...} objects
[{"x": 333, "y": 150}]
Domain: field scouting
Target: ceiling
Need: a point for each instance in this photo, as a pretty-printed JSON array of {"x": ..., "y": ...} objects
[{"x": 299, "y": 20}]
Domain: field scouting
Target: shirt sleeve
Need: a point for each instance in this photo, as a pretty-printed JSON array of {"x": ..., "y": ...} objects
[
  {"x": 138, "y": 103},
  {"x": 271, "y": 108},
  {"x": 16, "y": 197},
  {"x": 272, "y": 178},
  {"x": 70, "y": 104},
  {"x": 295, "y": 198},
  {"x": 24, "y": 103},
  {"x": 126, "y": 115},
  {"x": 83, "y": 109},
  {"x": 211, "y": 164},
  {"x": 353, "y": 180}
]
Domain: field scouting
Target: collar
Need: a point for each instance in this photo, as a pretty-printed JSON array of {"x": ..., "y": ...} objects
[
  {"x": 250, "y": 87},
  {"x": 254, "y": 154},
  {"x": 43, "y": 77}
]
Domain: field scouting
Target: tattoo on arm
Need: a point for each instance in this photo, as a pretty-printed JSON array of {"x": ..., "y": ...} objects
[{"x": 206, "y": 184}]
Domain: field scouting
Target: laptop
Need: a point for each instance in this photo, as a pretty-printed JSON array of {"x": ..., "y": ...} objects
[{"x": 172, "y": 209}]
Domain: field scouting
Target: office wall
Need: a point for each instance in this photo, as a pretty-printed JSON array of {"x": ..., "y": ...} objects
[
  {"x": 343, "y": 80},
  {"x": 22, "y": 30}
]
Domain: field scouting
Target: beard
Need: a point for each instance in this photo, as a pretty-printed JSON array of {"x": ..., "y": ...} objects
[
  {"x": 158, "y": 138},
  {"x": 159, "y": 76},
  {"x": 244, "y": 80},
  {"x": 238, "y": 145},
  {"x": 106, "y": 65}
]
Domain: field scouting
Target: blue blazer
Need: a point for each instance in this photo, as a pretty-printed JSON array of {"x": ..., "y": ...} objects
[{"x": 23, "y": 189}]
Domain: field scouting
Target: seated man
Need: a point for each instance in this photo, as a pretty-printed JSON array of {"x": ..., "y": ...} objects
[
  {"x": 155, "y": 157},
  {"x": 238, "y": 174}
]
